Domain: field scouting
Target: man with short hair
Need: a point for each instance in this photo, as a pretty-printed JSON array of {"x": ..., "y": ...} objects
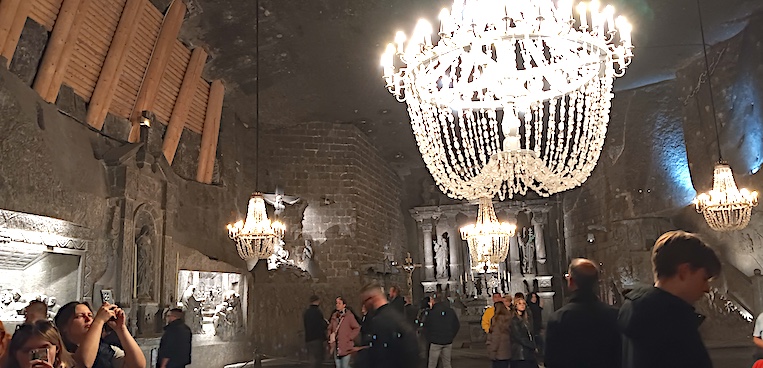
[
  {"x": 35, "y": 311},
  {"x": 659, "y": 324},
  {"x": 315, "y": 332},
  {"x": 393, "y": 343},
  {"x": 487, "y": 316},
  {"x": 175, "y": 346},
  {"x": 396, "y": 300},
  {"x": 583, "y": 333},
  {"x": 441, "y": 327}
]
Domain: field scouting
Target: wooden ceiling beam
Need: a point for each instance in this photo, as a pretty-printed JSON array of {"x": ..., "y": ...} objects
[
  {"x": 8, "y": 47},
  {"x": 108, "y": 80},
  {"x": 183, "y": 103},
  {"x": 59, "y": 48},
  {"x": 160, "y": 56},
  {"x": 210, "y": 133}
]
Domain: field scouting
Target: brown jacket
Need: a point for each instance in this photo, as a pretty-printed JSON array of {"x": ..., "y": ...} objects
[
  {"x": 499, "y": 340},
  {"x": 348, "y": 329}
]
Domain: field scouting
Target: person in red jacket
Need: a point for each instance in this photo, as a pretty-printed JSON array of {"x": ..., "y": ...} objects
[{"x": 342, "y": 331}]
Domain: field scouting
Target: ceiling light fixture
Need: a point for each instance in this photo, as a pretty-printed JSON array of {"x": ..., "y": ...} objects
[
  {"x": 488, "y": 239},
  {"x": 725, "y": 207},
  {"x": 514, "y": 95},
  {"x": 256, "y": 237}
]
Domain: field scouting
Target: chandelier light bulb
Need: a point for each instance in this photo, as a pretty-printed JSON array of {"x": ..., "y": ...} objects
[
  {"x": 725, "y": 207},
  {"x": 488, "y": 239},
  {"x": 515, "y": 95}
]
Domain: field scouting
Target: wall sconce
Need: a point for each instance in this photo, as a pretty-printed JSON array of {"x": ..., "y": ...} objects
[{"x": 590, "y": 238}]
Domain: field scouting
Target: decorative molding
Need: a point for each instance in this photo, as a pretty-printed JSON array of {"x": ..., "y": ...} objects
[{"x": 34, "y": 229}]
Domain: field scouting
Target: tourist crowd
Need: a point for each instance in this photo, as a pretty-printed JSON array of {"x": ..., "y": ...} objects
[{"x": 656, "y": 327}]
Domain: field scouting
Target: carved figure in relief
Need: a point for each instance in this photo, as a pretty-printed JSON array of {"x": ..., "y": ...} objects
[
  {"x": 441, "y": 258},
  {"x": 526, "y": 241},
  {"x": 144, "y": 284}
]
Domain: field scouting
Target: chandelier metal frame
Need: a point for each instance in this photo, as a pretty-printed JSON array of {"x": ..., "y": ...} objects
[
  {"x": 725, "y": 207},
  {"x": 512, "y": 96}
]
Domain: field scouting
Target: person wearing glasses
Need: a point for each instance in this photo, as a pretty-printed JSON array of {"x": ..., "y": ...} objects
[
  {"x": 659, "y": 324},
  {"x": 37, "y": 345},
  {"x": 81, "y": 332}
]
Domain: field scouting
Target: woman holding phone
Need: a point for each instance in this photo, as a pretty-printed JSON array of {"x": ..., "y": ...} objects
[
  {"x": 37, "y": 345},
  {"x": 81, "y": 332}
]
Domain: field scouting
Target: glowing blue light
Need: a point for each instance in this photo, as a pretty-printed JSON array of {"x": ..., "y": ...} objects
[
  {"x": 670, "y": 147},
  {"x": 746, "y": 124}
]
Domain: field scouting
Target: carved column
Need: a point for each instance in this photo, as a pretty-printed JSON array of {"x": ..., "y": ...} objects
[
  {"x": 426, "y": 229},
  {"x": 515, "y": 263},
  {"x": 757, "y": 292},
  {"x": 455, "y": 252},
  {"x": 539, "y": 219}
]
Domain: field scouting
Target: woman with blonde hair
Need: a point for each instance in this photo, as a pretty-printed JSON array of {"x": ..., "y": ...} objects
[
  {"x": 37, "y": 345},
  {"x": 498, "y": 337}
]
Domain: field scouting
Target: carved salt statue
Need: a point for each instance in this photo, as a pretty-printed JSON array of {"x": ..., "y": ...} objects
[{"x": 441, "y": 258}]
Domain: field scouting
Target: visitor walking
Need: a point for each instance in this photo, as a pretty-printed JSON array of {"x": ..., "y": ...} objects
[
  {"x": 499, "y": 337},
  {"x": 175, "y": 345},
  {"x": 522, "y": 342},
  {"x": 659, "y": 324},
  {"x": 315, "y": 332},
  {"x": 393, "y": 341},
  {"x": 583, "y": 333},
  {"x": 343, "y": 329},
  {"x": 441, "y": 327}
]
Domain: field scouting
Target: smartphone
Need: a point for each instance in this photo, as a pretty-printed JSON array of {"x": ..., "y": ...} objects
[
  {"x": 106, "y": 296},
  {"x": 39, "y": 354}
]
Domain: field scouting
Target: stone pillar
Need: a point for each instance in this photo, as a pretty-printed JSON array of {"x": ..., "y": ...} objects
[
  {"x": 455, "y": 250},
  {"x": 426, "y": 229},
  {"x": 539, "y": 219},
  {"x": 547, "y": 298},
  {"x": 757, "y": 292},
  {"x": 515, "y": 263}
]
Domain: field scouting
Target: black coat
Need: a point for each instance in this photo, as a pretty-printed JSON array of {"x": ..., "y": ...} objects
[
  {"x": 393, "y": 342},
  {"x": 583, "y": 334},
  {"x": 660, "y": 331},
  {"x": 398, "y": 304},
  {"x": 522, "y": 342},
  {"x": 175, "y": 344},
  {"x": 315, "y": 324},
  {"x": 441, "y": 324}
]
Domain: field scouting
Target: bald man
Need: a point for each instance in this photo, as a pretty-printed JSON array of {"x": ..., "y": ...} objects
[{"x": 584, "y": 332}]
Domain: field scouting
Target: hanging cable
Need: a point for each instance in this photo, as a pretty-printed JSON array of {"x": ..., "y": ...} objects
[
  {"x": 257, "y": 95},
  {"x": 709, "y": 81}
]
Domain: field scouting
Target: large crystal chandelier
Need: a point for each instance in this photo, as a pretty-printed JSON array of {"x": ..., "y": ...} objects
[
  {"x": 725, "y": 207},
  {"x": 488, "y": 239},
  {"x": 514, "y": 95},
  {"x": 256, "y": 237}
]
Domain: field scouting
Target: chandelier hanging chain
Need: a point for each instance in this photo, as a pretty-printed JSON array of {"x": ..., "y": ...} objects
[
  {"x": 704, "y": 76},
  {"x": 709, "y": 81},
  {"x": 257, "y": 94}
]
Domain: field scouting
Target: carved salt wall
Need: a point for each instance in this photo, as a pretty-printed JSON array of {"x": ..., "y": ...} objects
[{"x": 660, "y": 151}]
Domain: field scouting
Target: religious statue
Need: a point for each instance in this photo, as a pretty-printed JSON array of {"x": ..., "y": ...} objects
[
  {"x": 527, "y": 250},
  {"x": 192, "y": 309},
  {"x": 441, "y": 258},
  {"x": 144, "y": 284}
]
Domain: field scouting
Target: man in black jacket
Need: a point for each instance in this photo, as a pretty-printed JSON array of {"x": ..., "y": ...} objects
[
  {"x": 315, "y": 332},
  {"x": 659, "y": 324},
  {"x": 396, "y": 300},
  {"x": 393, "y": 342},
  {"x": 175, "y": 346},
  {"x": 440, "y": 328},
  {"x": 583, "y": 333}
]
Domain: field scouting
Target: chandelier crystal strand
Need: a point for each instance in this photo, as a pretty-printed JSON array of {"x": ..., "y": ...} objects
[
  {"x": 488, "y": 239},
  {"x": 725, "y": 207},
  {"x": 483, "y": 98}
]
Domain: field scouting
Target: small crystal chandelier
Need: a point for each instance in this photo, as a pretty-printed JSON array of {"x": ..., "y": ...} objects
[
  {"x": 488, "y": 239},
  {"x": 725, "y": 207},
  {"x": 256, "y": 237},
  {"x": 515, "y": 95}
]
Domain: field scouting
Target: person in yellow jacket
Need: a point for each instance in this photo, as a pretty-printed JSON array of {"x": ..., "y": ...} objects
[{"x": 490, "y": 311}]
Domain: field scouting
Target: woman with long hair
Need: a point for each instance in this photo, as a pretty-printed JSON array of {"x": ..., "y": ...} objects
[
  {"x": 342, "y": 331},
  {"x": 37, "y": 345},
  {"x": 523, "y": 343},
  {"x": 499, "y": 337},
  {"x": 536, "y": 313},
  {"x": 81, "y": 332}
]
